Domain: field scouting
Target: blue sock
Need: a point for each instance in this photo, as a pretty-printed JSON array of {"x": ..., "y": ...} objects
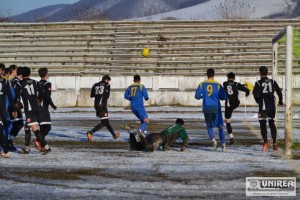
[
  {"x": 210, "y": 131},
  {"x": 222, "y": 135},
  {"x": 143, "y": 126}
]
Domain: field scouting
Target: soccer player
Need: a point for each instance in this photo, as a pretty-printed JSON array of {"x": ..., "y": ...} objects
[
  {"x": 17, "y": 123},
  {"x": 212, "y": 92},
  {"x": 232, "y": 101},
  {"x": 165, "y": 139},
  {"x": 101, "y": 92},
  {"x": 5, "y": 94},
  {"x": 136, "y": 93},
  {"x": 263, "y": 93},
  {"x": 29, "y": 94},
  {"x": 45, "y": 100}
]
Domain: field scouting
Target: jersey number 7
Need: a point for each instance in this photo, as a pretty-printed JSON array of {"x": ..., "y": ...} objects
[{"x": 133, "y": 91}]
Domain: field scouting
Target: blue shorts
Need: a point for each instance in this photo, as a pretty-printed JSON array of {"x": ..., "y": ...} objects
[
  {"x": 214, "y": 120},
  {"x": 140, "y": 113}
]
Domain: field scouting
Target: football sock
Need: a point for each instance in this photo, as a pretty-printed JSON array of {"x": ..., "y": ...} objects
[
  {"x": 263, "y": 129},
  {"x": 98, "y": 127},
  {"x": 229, "y": 128},
  {"x": 231, "y": 135},
  {"x": 40, "y": 138},
  {"x": 106, "y": 123},
  {"x": 3, "y": 141},
  {"x": 27, "y": 137},
  {"x": 144, "y": 126},
  {"x": 222, "y": 135},
  {"x": 273, "y": 129},
  {"x": 211, "y": 132},
  {"x": 45, "y": 129}
]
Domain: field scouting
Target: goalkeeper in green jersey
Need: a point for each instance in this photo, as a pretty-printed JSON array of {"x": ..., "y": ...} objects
[{"x": 165, "y": 139}]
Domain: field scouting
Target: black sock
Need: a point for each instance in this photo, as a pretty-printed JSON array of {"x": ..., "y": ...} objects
[
  {"x": 263, "y": 129},
  {"x": 40, "y": 138},
  {"x": 3, "y": 141},
  {"x": 229, "y": 128},
  {"x": 45, "y": 129},
  {"x": 106, "y": 123},
  {"x": 273, "y": 129},
  {"x": 16, "y": 127},
  {"x": 27, "y": 137},
  {"x": 97, "y": 128}
]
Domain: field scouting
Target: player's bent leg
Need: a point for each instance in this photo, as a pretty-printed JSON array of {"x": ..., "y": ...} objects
[
  {"x": 229, "y": 130},
  {"x": 273, "y": 129},
  {"x": 45, "y": 147},
  {"x": 264, "y": 133},
  {"x": 106, "y": 123},
  {"x": 144, "y": 125},
  {"x": 45, "y": 129}
]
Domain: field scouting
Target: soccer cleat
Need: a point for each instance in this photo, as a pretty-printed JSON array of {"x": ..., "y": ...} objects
[
  {"x": 130, "y": 128},
  {"x": 89, "y": 135},
  {"x": 231, "y": 141},
  {"x": 275, "y": 146},
  {"x": 224, "y": 148},
  {"x": 11, "y": 146},
  {"x": 46, "y": 151},
  {"x": 25, "y": 150},
  {"x": 215, "y": 146},
  {"x": 4, "y": 155},
  {"x": 37, "y": 145},
  {"x": 265, "y": 146},
  {"x": 116, "y": 136}
]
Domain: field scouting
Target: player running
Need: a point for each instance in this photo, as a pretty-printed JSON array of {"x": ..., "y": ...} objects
[
  {"x": 212, "y": 92},
  {"x": 232, "y": 101},
  {"x": 136, "y": 93},
  {"x": 101, "y": 92},
  {"x": 29, "y": 94},
  {"x": 263, "y": 93},
  {"x": 45, "y": 100},
  {"x": 5, "y": 95},
  {"x": 165, "y": 139}
]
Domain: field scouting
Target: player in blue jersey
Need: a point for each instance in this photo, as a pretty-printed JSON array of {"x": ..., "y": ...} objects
[
  {"x": 136, "y": 93},
  {"x": 212, "y": 92}
]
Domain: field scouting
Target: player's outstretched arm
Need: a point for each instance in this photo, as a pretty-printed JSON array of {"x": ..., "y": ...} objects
[
  {"x": 198, "y": 94},
  {"x": 145, "y": 93},
  {"x": 243, "y": 88}
]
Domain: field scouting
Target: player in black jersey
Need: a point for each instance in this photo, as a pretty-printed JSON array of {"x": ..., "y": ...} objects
[
  {"x": 263, "y": 93},
  {"x": 232, "y": 101},
  {"x": 5, "y": 92},
  {"x": 45, "y": 100},
  {"x": 101, "y": 92},
  {"x": 17, "y": 123},
  {"x": 29, "y": 94}
]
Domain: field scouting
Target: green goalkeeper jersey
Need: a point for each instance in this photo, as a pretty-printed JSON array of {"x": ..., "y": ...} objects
[{"x": 173, "y": 133}]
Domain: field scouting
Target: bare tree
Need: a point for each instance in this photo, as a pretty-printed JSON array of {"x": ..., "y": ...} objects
[
  {"x": 233, "y": 9},
  {"x": 5, "y": 15},
  {"x": 88, "y": 13}
]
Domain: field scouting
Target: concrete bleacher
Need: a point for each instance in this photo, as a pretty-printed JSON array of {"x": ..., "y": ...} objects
[{"x": 180, "y": 50}]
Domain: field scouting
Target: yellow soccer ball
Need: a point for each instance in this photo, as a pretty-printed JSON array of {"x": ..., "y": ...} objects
[{"x": 145, "y": 52}]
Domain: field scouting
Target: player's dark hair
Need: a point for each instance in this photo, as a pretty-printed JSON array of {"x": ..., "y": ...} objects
[
  {"x": 136, "y": 78},
  {"x": 26, "y": 71},
  {"x": 12, "y": 68},
  {"x": 231, "y": 75},
  {"x": 6, "y": 71},
  {"x": 106, "y": 77},
  {"x": 180, "y": 121},
  {"x": 43, "y": 72},
  {"x": 210, "y": 72},
  {"x": 263, "y": 70},
  {"x": 2, "y": 66},
  {"x": 19, "y": 71}
]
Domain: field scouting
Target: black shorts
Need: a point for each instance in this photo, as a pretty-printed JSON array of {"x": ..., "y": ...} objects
[
  {"x": 44, "y": 116},
  {"x": 102, "y": 112},
  {"x": 32, "y": 118},
  {"x": 229, "y": 111},
  {"x": 264, "y": 114}
]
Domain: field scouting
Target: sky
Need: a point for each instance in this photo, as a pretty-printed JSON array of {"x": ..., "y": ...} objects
[{"x": 21, "y": 6}]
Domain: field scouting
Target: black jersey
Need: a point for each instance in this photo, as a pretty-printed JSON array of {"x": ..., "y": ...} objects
[
  {"x": 263, "y": 93},
  {"x": 101, "y": 92},
  {"x": 232, "y": 91},
  {"x": 29, "y": 94},
  {"x": 5, "y": 91},
  {"x": 15, "y": 82},
  {"x": 45, "y": 89}
]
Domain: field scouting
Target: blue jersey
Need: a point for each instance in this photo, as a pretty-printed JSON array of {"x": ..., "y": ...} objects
[
  {"x": 211, "y": 92},
  {"x": 136, "y": 93}
]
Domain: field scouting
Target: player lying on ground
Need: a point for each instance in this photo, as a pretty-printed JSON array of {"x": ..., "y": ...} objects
[
  {"x": 29, "y": 94},
  {"x": 212, "y": 92},
  {"x": 101, "y": 92},
  {"x": 136, "y": 93},
  {"x": 45, "y": 100},
  {"x": 165, "y": 139},
  {"x": 263, "y": 93},
  {"x": 232, "y": 101}
]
